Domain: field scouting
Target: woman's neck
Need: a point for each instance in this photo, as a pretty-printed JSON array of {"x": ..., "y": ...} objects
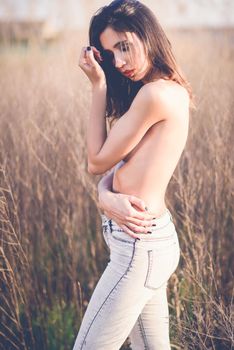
[{"x": 153, "y": 76}]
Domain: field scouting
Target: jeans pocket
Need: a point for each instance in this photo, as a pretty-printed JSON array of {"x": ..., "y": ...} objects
[{"x": 161, "y": 264}]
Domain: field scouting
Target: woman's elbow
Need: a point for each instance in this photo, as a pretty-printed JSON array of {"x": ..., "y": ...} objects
[{"x": 94, "y": 169}]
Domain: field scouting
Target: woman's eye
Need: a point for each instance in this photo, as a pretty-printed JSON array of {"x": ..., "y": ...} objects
[{"x": 125, "y": 47}]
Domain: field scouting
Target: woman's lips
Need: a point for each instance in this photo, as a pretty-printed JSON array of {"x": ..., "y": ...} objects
[{"x": 129, "y": 73}]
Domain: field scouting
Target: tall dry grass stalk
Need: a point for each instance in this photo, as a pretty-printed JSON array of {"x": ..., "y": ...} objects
[{"x": 52, "y": 251}]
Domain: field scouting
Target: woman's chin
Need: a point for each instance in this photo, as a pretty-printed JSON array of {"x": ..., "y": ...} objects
[
  {"x": 138, "y": 77},
  {"x": 134, "y": 78}
]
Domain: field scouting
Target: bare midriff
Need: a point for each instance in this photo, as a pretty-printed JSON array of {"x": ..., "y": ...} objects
[{"x": 148, "y": 168}]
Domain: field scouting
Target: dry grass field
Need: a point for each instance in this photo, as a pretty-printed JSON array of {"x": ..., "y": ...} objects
[{"x": 52, "y": 251}]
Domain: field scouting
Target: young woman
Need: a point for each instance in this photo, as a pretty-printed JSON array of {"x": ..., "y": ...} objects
[{"x": 136, "y": 80}]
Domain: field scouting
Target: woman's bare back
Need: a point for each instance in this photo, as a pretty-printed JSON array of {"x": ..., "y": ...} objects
[{"x": 149, "y": 166}]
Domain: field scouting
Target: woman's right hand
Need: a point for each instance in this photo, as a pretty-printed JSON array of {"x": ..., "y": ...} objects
[
  {"x": 88, "y": 62},
  {"x": 127, "y": 211}
]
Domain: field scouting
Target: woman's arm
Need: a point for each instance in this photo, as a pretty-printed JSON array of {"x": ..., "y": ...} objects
[
  {"x": 97, "y": 123},
  {"x": 96, "y": 131}
]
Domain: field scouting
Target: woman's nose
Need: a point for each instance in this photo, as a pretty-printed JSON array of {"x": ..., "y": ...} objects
[{"x": 119, "y": 62}]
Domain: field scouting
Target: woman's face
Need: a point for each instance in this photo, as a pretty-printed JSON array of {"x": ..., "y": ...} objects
[{"x": 126, "y": 52}]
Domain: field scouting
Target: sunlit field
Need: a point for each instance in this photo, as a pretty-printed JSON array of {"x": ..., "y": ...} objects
[{"x": 52, "y": 251}]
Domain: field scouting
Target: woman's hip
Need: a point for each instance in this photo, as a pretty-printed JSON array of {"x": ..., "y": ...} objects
[{"x": 153, "y": 258}]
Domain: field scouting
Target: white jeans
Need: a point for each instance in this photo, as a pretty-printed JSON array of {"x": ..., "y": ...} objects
[{"x": 130, "y": 298}]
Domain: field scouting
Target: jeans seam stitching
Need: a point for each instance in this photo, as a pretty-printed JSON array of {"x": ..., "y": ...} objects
[
  {"x": 150, "y": 263},
  {"x": 104, "y": 302},
  {"x": 122, "y": 240},
  {"x": 142, "y": 331}
]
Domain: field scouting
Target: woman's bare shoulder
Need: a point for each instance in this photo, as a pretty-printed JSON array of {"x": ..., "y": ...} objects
[
  {"x": 162, "y": 100},
  {"x": 165, "y": 88},
  {"x": 169, "y": 97}
]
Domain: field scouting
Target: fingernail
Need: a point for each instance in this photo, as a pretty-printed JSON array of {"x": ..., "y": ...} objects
[
  {"x": 149, "y": 231},
  {"x": 154, "y": 225},
  {"x": 138, "y": 239},
  {"x": 146, "y": 208},
  {"x": 88, "y": 48}
]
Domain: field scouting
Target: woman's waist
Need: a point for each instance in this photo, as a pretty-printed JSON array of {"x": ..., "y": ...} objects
[{"x": 153, "y": 198}]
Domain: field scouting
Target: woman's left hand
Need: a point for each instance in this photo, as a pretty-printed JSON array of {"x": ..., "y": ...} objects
[
  {"x": 127, "y": 211},
  {"x": 88, "y": 62}
]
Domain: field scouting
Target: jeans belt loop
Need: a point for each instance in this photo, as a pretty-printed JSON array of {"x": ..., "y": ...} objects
[{"x": 110, "y": 225}]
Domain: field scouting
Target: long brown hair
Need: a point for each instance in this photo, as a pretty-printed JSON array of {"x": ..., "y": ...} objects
[{"x": 132, "y": 16}]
